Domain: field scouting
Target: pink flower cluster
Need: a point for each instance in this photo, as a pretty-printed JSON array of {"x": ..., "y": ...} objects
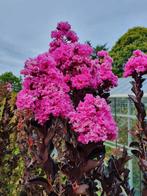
[
  {"x": 106, "y": 76},
  {"x": 62, "y": 34},
  {"x": 75, "y": 62},
  {"x": 44, "y": 90},
  {"x": 51, "y": 77},
  {"x": 93, "y": 120},
  {"x": 137, "y": 63}
]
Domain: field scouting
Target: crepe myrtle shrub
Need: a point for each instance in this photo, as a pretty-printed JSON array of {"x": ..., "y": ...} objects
[
  {"x": 64, "y": 118},
  {"x": 136, "y": 67}
]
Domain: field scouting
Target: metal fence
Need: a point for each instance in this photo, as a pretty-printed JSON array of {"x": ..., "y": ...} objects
[{"x": 125, "y": 115}]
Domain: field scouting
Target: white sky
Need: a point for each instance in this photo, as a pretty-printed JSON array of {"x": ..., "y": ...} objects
[{"x": 25, "y": 25}]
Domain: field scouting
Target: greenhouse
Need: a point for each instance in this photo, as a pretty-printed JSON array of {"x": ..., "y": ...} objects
[{"x": 124, "y": 113}]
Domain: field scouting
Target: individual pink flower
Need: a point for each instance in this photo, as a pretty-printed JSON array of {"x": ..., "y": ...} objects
[
  {"x": 72, "y": 36},
  {"x": 137, "y": 53},
  {"x": 56, "y": 34},
  {"x": 83, "y": 49},
  {"x": 63, "y": 26},
  {"x": 81, "y": 81},
  {"x": 102, "y": 53},
  {"x": 25, "y": 100}
]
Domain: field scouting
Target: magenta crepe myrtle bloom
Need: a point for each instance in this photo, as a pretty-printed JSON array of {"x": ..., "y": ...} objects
[
  {"x": 44, "y": 90},
  {"x": 51, "y": 78},
  {"x": 63, "y": 26},
  {"x": 136, "y": 63},
  {"x": 93, "y": 120},
  {"x": 102, "y": 53}
]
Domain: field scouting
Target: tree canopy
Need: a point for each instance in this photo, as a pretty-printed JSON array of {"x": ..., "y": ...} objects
[
  {"x": 135, "y": 38},
  {"x": 9, "y": 77}
]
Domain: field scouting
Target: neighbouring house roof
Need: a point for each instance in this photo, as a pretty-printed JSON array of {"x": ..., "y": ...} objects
[{"x": 124, "y": 87}]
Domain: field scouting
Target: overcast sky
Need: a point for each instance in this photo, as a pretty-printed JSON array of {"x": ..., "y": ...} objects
[{"x": 25, "y": 25}]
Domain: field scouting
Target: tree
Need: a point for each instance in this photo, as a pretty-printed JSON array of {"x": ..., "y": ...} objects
[
  {"x": 9, "y": 77},
  {"x": 64, "y": 107},
  {"x": 100, "y": 47},
  {"x": 135, "y": 38},
  {"x": 136, "y": 67}
]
